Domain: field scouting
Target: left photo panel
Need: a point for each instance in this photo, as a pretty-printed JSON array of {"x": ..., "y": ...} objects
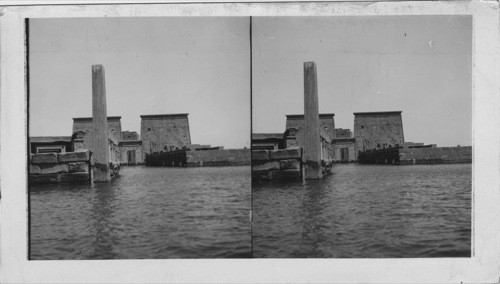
[{"x": 139, "y": 138}]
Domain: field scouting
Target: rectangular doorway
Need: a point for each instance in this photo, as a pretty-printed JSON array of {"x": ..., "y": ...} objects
[
  {"x": 131, "y": 156},
  {"x": 344, "y": 155}
]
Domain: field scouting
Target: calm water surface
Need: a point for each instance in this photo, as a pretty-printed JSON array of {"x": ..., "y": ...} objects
[
  {"x": 145, "y": 213},
  {"x": 367, "y": 211}
]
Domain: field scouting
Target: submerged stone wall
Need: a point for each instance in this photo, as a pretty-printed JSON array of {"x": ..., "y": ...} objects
[
  {"x": 283, "y": 164},
  {"x": 417, "y": 156},
  {"x": 435, "y": 155},
  {"x": 67, "y": 167},
  {"x": 224, "y": 157}
]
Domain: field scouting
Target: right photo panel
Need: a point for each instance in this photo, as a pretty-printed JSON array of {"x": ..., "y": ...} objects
[{"x": 362, "y": 136}]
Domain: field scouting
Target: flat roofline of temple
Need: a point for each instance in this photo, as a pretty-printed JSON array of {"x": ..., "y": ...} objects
[
  {"x": 321, "y": 115},
  {"x": 41, "y": 139},
  {"x": 90, "y": 118},
  {"x": 164, "y": 115},
  {"x": 263, "y": 136},
  {"x": 375, "y": 113}
]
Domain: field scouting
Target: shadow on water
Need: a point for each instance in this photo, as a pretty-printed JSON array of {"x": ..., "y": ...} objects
[{"x": 312, "y": 223}]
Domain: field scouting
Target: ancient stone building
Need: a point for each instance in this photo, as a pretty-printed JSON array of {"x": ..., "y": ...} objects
[
  {"x": 344, "y": 151},
  {"x": 131, "y": 152},
  {"x": 327, "y": 121},
  {"x": 268, "y": 141},
  {"x": 82, "y": 128},
  {"x": 164, "y": 132},
  {"x": 294, "y": 134},
  {"x": 130, "y": 135},
  {"x": 84, "y": 125},
  {"x": 343, "y": 133},
  {"x": 343, "y": 146},
  {"x": 130, "y": 148},
  {"x": 50, "y": 144},
  {"x": 378, "y": 130}
]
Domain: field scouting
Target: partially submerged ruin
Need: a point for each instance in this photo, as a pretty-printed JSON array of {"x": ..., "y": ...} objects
[
  {"x": 310, "y": 144},
  {"x": 165, "y": 140}
]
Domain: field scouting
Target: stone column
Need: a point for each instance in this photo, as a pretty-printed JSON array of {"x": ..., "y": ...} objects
[
  {"x": 99, "y": 139},
  {"x": 312, "y": 139}
]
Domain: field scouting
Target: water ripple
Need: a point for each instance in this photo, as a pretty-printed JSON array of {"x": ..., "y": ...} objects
[
  {"x": 367, "y": 211},
  {"x": 145, "y": 213}
]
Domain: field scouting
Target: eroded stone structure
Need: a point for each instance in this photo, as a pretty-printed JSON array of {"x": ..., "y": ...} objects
[
  {"x": 281, "y": 164},
  {"x": 82, "y": 129},
  {"x": 326, "y": 121},
  {"x": 378, "y": 130},
  {"x": 131, "y": 152},
  {"x": 268, "y": 141},
  {"x": 83, "y": 125},
  {"x": 343, "y": 133},
  {"x": 164, "y": 132},
  {"x": 130, "y": 135},
  {"x": 294, "y": 134},
  {"x": 60, "y": 167}
]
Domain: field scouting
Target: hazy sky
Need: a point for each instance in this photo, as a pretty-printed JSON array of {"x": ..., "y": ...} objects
[
  {"x": 199, "y": 66},
  {"x": 420, "y": 65}
]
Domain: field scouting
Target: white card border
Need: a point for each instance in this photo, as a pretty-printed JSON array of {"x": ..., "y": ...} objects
[{"x": 484, "y": 266}]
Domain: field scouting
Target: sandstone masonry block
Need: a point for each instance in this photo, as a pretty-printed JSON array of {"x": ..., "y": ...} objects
[
  {"x": 265, "y": 166},
  {"x": 285, "y": 154},
  {"x": 74, "y": 156},
  {"x": 78, "y": 167},
  {"x": 48, "y": 158},
  {"x": 260, "y": 155},
  {"x": 290, "y": 164},
  {"x": 34, "y": 170},
  {"x": 42, "y": 169}
]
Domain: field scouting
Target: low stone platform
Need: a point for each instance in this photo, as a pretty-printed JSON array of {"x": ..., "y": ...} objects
[
  {"x": 218, "y": 158},
  {"x": 200, "y": 158},
  {"x": 71, "y": 167},
  {"x": 283, "y": 164},
  {"x": 417, "y": 156},
  {"x": 435, "y": 155}
]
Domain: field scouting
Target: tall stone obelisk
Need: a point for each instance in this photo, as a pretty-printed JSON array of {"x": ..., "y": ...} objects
[
  {"x": 312, "y": 138},
  {"x": 99, "y": 137}
]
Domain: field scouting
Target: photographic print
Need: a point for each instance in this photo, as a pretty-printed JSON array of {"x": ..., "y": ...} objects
[
  {"x": 139, "y": 142},
  {"x": 290, "y": 142},
  {"x": 362, "y": 136}
]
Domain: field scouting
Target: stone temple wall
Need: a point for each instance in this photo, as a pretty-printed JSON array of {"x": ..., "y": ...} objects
[
  {"x": 327, "y": 121},
  {"x": 124, "y": 148},
  {"x": 339, "y": 148},
  {"x": 378, "y": 130},
  {"x": 70, "y": 167},
  {"x": 282, "y": 164},
  {"x": 164, "y": 132},
  {"x": 84, "y": 124}
]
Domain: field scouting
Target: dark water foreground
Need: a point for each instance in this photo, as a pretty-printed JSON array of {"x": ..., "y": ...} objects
[
  {"x": 145, "y": 213},
  {"x": 367, "y": 211}
]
